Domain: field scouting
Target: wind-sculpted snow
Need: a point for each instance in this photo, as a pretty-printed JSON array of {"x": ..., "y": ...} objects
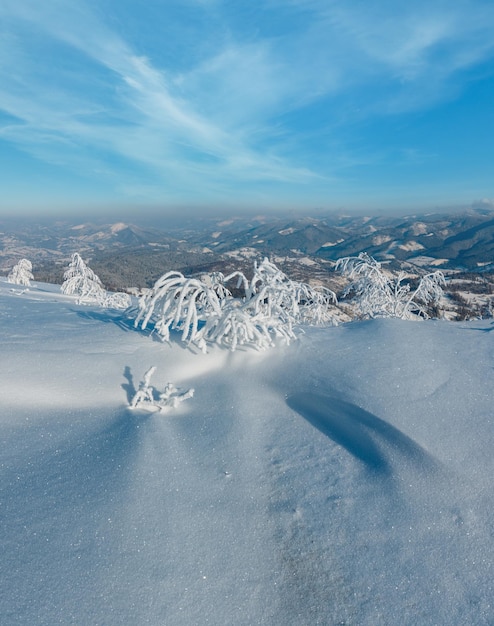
[
  {"x": 357, "y": 430},
  {"x": 343, "y": 479}
]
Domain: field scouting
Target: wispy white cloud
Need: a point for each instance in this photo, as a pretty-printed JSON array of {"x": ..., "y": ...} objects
[
  {"x": 407, "y": 44},
  {"x": 273, "y": 80},
  {"x": 150, "y": 123}
]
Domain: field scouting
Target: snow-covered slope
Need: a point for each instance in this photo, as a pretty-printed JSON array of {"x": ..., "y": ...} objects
[{"x": 344, "y": 479}]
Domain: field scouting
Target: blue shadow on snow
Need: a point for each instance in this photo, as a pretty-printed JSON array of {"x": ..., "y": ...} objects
[{"x": 355, "y": 429}]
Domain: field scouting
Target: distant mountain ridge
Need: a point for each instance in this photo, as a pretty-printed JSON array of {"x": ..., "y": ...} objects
[{"x": 131, "y": 255}]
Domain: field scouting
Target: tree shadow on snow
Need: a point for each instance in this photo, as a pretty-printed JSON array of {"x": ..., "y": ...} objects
[
  {"x": 356, "y": 430},
  {"x": 129, "y": 387},
  {"x": 79, "y": 467},
  {"x": 60, "y": 509},
  {"x": 483, "y": 330},
  {"x": 108, "y": 316}
]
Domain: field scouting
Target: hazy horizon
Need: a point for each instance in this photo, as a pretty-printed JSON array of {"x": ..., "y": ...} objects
[{"x": 179, "y": 219}]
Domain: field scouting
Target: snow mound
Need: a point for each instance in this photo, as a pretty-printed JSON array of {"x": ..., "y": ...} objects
[{"x": 343, "y": 479}]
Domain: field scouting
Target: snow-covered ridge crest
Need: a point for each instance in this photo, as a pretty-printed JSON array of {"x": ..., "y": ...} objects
[{"x": 115, "y": 228}]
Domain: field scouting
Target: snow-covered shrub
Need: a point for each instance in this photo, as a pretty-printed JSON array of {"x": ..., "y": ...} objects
[
  {"x": 149, "y": 399},
  {"x": 239, "y": 326},
  {"x": 80, "y": 280},
  {"x": 205, "y": 311},
  {"x": 379, "y": 294},
  {"x": 177, "y": 302},
  {"x": 117, "y": 300},
  {"x": 21, "y": 274},
  {"x": 272, "y": 294}
]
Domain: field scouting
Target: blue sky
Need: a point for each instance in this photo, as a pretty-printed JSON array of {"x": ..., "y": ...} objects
[{"x": 108, "y": 105}]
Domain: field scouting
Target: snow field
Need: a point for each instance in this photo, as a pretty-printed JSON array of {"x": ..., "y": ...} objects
[{"x": 344, "y": 479}]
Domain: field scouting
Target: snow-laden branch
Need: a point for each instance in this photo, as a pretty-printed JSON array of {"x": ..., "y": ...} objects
[
  {"x": 205, "y": 312},
  {"x": 177, "y": 302},
  {"x": 379, "y": 294},
  {"x": 149, "y": 399}
]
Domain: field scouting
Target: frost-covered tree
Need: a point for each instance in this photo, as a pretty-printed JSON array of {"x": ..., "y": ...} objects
[
  {"x": 273, "y": 305},
  {"x": 238, "y": 325},
  {"x": 205, "y": 311},
  {"x": 80, "y": 280},
  {"x": 21, "y": 273},
  {"x": 379, "y": 294}
]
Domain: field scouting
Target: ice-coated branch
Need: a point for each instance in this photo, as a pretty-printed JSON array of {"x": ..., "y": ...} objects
[
  {"x": 379, "y": 294},
  {"x": 144, "y": 396},
  {"x": 205, "y": 312},
  {"x": 172, "y": 397},
  {"x": 149, "y": 399}
]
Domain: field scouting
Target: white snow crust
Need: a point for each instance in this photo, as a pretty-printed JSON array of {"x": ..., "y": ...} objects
[{"x": 343, "y": 479}]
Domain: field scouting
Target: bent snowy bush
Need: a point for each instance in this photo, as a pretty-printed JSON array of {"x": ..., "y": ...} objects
[
  {"x": 379, "y": 294},
  {"x": 205, "y": 312}
]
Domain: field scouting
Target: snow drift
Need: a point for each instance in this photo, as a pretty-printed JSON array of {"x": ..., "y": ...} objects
[{"x": 343, "y": 479}]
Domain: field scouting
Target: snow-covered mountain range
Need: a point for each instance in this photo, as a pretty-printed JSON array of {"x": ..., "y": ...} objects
[
  {"x": 460, "y": 241},
  {"x": 129, "y": 256}
]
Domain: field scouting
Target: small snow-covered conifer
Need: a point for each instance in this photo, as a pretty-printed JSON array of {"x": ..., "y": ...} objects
[
  {"x": 80, "y": 280},
  {"x": 21, "y": 274}
]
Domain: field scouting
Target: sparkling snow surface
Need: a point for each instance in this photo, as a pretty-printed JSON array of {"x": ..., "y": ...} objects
[{"x": 344, "y": 479}]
